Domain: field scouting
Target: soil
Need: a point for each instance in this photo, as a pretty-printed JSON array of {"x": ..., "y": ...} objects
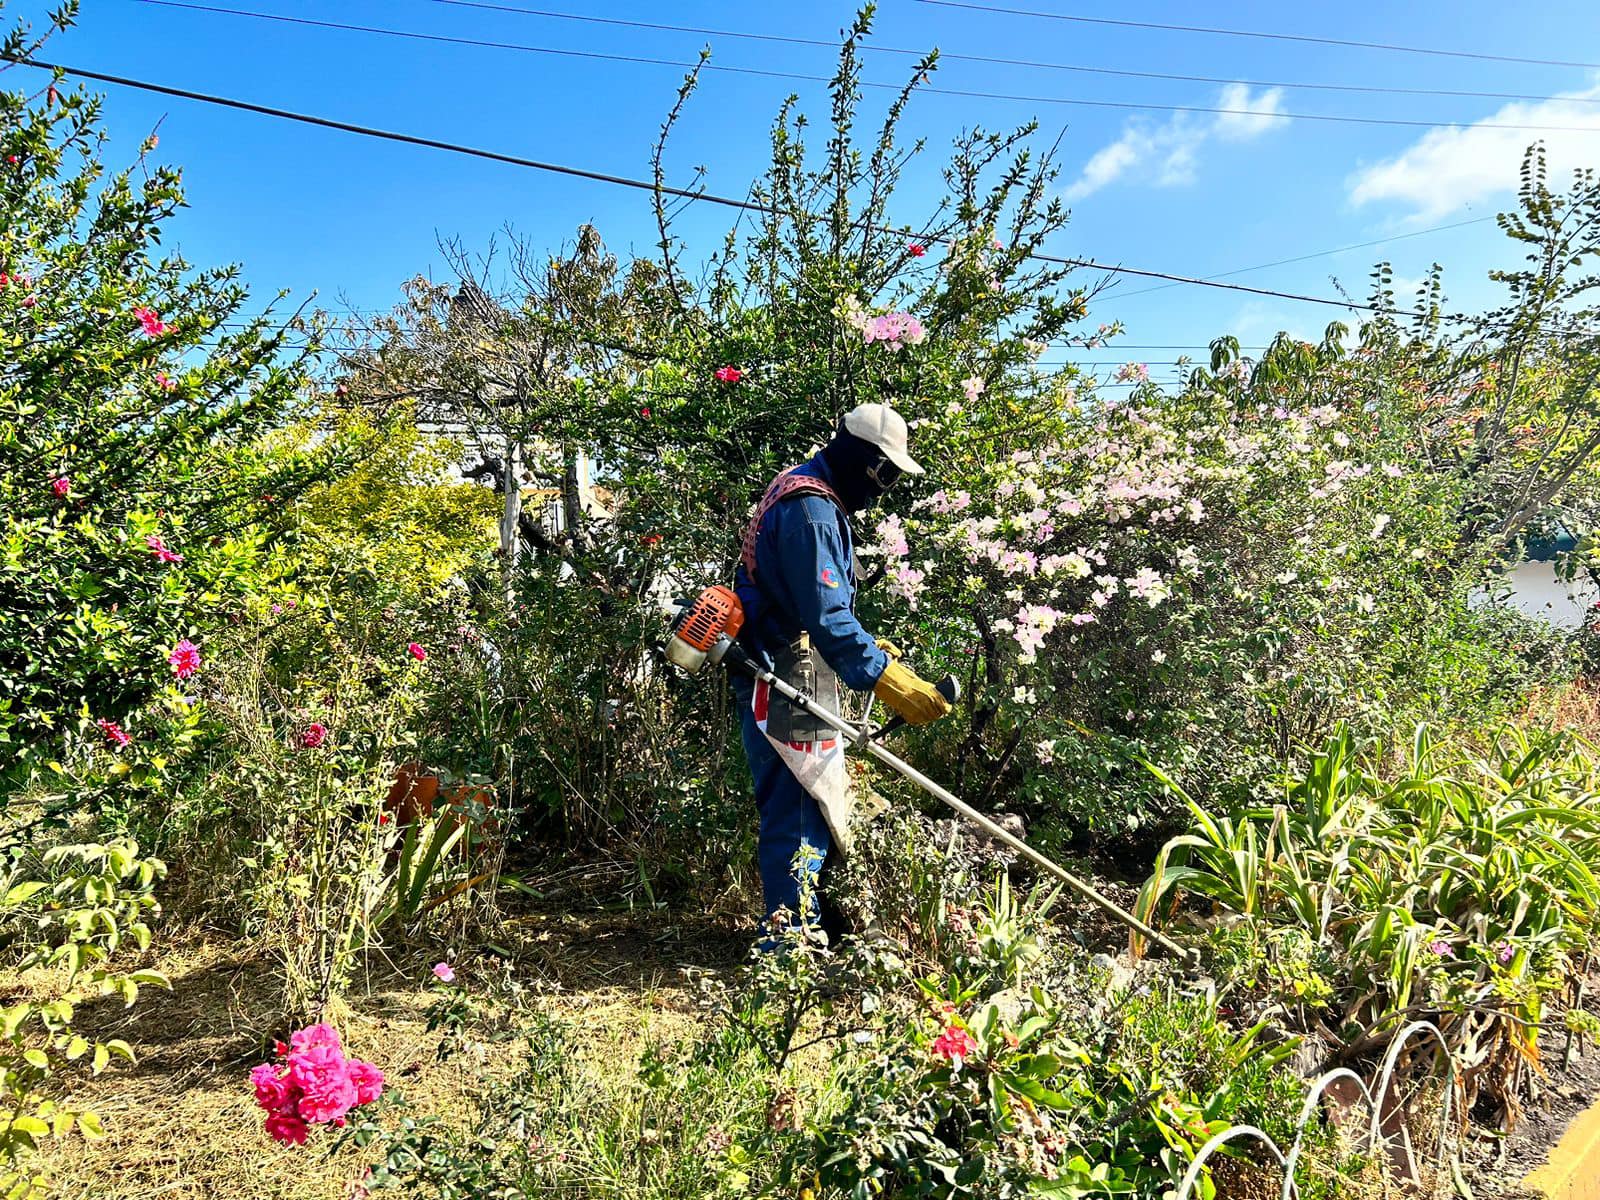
[{"x": 1495, "y": 1165}]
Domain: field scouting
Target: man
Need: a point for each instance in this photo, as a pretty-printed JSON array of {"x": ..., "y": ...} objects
[{"x": 797, "y": 584}]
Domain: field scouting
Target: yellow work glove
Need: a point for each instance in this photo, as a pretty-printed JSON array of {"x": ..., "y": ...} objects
[
  {"x": 910, "y": 695},
  {"x": 891, "y": 649}
]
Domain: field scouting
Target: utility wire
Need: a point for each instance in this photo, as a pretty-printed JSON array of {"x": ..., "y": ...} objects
[
  {"x": 1256, "y": 33},
  {"x": 643, "y": 185},
  {"x": 1123, "y": 105},
  {"x": 787, "y": 40},
  {"x": 1299, "y": 258}
]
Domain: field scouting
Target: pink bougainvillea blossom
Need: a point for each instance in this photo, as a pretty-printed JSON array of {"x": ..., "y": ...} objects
[
  {"x": 61, "y": 485},
  {"x": 972, "y": 387},
  {"x": 416, "y": 651},
  {"x": 184, "y": 659},
  {"x": 445, "y": 972},
  {"x": 114, "y": 733},
  {"x": 150, "y": 321},
  {"x": 165, "y": 382},
  {"x": 728, "y": 374},
  {"x": 317, "y": 1084},
  {"x": 895, "y": 330},
  {"x": 159, "y": 549},
  {"x": 955, "y": 1044},
  {"x": 314, "y": 735}
]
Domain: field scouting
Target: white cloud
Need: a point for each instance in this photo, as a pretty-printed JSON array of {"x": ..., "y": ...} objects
[
  {"x": 1168, "y": 154},
  {"x": 1446, "y": 169},
  {"x": 1252, "y": 115}
]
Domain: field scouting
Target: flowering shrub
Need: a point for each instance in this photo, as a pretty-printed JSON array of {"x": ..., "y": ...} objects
[
  {"x": 316, "y": 1085},
  {"x": 133, "y": 462}
]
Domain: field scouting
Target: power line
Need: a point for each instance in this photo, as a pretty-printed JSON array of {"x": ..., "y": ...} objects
[
  {"x": 1122, "y": 105},
  {"x": 623, "y": 180},
  {"x": 1283, "y": 262},
  {"x": 1255, "y": 33},
  {"x": 789, "y": 40}
]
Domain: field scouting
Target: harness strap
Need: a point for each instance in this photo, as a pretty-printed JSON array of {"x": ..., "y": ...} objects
[{"x": 782, "y": 488}]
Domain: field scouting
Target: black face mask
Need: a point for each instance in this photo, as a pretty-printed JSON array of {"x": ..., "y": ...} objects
[{"x": 861, "y": 472}]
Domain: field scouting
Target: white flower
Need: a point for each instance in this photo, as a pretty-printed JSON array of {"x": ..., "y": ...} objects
[
  {"x": 1046, "y": 752},
  {"x": 1341, "y": 439},
  {"x": 1158, "y": 656},
  {"x": 973, "y": 387},
  {"x": 1419, "y": 554},
  {"x": 1287, "y": 577},
  {"x": 1380, "y": 525},
  {"x": 1364, "y": 602},
  {"x": 1024, "y": 695}
]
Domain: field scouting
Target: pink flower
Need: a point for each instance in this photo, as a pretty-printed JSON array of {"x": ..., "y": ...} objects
[
  {"x": 289, "y": 1130},
  {"x": 151, "y": 321},
  {"x": 62, "y": 485},
  {"x": 1441, "y": 948},
  {"x": 165, "y": 382},
  {"x": 445, "y": 972},
  {"x": 159, "y": 549},
  {"x": 273, "y": 1091},
  {"x": 1505, "y": 952},
  {"x": 114, "y": 733},
  {"x": 416, "y": 652},
  {"x": 917, "y": 249},
  {"x": 728, "y": 374},
  {"x": 29, "y": 301},
  {"x": 367, "y": 1080},
  {"x": 313, "y": 1036},
  {"x": 315, "y": 734},
  {"x": 955, "y": 1044},
  {"x": 323, "y": 1078},
  {"x": 1133, "y": 373},
  {"x": 185, "y": 659},
  {"x": 972, "y": 388}
]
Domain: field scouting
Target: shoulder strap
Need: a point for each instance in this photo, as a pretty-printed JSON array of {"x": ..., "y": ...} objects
[{"x": 782, "y": 488}]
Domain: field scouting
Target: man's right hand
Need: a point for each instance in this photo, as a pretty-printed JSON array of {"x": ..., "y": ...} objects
[{"x": 910, "y": 695}]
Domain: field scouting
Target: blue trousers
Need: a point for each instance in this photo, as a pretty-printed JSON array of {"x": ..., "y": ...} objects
[{"x": 790, "y": 819}]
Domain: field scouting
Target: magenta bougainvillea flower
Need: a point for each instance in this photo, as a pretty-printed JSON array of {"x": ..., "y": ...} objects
[
  {"x": 317, "y": 1085},
  {"x": 315, "y": 734},
  {"x": 955, "y": 1044},
  {"x": 416, "y": 651},
  {"x": 159, "y": 549},
  {"x": 185, "y": 659},
  {"x": 728, "y": 374},
  {"x": 150, "y": 320},
  {"x": 165, "y": 382},
  {"x": 62, "y": 485},
  {"x": 114, "y": 733},
  {"x": 445, "y": 972}
]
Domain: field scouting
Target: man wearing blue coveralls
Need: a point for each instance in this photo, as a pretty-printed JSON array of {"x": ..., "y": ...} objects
[{"x": 797, "y": 583}]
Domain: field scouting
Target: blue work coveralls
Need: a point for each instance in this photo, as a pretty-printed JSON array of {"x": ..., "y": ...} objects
[{"x": 805, "y": 580}]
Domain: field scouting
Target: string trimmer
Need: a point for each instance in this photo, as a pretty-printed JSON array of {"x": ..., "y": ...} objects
[{"x": 702, "y": 633}]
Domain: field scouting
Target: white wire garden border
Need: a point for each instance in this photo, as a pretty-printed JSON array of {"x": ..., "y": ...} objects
[{"x": 1372, "y": 1097}]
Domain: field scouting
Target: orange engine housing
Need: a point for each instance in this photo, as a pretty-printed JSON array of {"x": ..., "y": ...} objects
[{"x": 714, "y": 612}]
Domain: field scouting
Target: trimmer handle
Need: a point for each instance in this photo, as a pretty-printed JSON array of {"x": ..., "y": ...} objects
[{"x": 948, "y": 687}]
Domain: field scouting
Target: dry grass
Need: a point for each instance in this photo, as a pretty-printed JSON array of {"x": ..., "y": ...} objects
[{"x": 183, "y": 1125}]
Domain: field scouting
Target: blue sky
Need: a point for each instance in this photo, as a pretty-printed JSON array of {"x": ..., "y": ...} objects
[{"x": 1193, "y": 193}]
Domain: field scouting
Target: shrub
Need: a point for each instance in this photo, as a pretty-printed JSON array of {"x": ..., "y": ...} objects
[{"x": 137, "y": 483}]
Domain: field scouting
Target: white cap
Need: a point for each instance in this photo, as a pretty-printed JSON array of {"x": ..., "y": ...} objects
[{"x": 885, "y": 429}]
